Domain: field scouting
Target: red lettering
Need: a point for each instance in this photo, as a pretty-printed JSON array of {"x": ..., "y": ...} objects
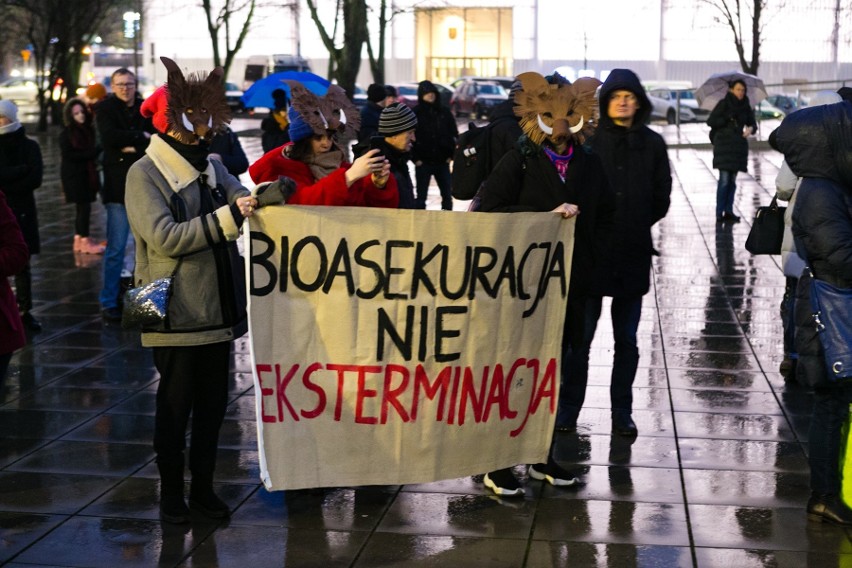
[
  {"x": 454, "y": 395},
  {"x": 312, "y": 386},
  {"x": 533, "y": 363},
  {"x": 468, "y": 392},
  {"x": 341, "y": 370},
  {"x": 390, "y": 396},
  {"x": 546, "y": 389},
  {"x": 264, "y": 392},
  {"x": 281, "y": 387},
  {"x": 421, "y": 380},
  {"x": 363, "y": 392},
  {"x": 496, "y": 394}
]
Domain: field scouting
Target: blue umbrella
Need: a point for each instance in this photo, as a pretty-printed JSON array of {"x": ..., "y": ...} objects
[{"x": 260, "y": 94}]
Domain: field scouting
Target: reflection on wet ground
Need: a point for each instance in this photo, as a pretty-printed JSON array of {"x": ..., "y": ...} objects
[{"x": 717, "y": 477}]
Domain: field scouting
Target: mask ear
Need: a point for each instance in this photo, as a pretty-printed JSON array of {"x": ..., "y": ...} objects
[
  {"x": 215, "y": 77},
  {"x": 175, "y": 74}
]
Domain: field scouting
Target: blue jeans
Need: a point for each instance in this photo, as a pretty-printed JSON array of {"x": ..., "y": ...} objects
[
  {"x": 831, "y": 408},
  {"x": 625, "y": 314},
  {"x": 117, "y": 230},
  {"x": 424, "y": 173},
  {"x": 725, "y": 190}
]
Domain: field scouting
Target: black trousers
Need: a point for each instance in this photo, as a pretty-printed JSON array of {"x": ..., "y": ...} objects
[{"x": 193, "y": 380}]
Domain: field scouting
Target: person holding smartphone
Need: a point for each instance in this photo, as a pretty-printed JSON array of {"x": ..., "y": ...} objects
[
  {"x": 394, "y": 140},
  {"x": 316, "y": 163}
]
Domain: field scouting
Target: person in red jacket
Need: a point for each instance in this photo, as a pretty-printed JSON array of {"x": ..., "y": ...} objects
[
  {"x": 13, "y": 257},
  {"x": 313, "y": 160}
]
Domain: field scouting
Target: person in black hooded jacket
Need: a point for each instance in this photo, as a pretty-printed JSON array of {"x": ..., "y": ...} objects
[
  {"x": 636, "y": 163},
  {"x": 817, "y": 145},
  {"x": 731, "y": 123},
  {"x": 433, "y": 149}
]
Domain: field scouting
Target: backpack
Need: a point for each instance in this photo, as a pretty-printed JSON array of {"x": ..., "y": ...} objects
[{"x": 470, "y": 161}]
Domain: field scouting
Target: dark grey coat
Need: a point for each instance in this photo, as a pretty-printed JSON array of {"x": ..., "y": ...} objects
[{"x": 726, "y": 121}]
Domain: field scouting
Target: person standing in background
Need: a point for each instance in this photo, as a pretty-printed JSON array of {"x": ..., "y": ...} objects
[
  {"x": 79, "y": 170},
  {"x": 731, "y": 123},
  {"x": 274, "y": 126},
  {"x": 125, "y": 135},
  {"x": 21, "y": 170},
  {"x": 377, "y": 100},
  {"x": 433, "y": 149}
]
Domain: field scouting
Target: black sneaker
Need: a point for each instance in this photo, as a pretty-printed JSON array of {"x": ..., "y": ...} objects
[
  {"x": 623, "y": 424},
  {"x": 208, "y": 504},
  {"x": 566, "y": 419},
  {"x": 503, "y": 482},
  {"x": 553, "y": 473},
  {"x": 173, "y": 510}
]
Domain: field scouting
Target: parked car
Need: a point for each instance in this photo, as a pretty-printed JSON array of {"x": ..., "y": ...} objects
[
  {"x": 476, "y": 98},
  {"x": 505, "y": 81},
  {"x": 233, "y": 95},
  {"x": 19, "y": 89},
  {"x": 689, "y": 109},
  {"x": 407, "y": 93},
  {"x": 764, "y": 110},
  {"x": 786, "y": 103},
  {"x": 359, "y": 98}
]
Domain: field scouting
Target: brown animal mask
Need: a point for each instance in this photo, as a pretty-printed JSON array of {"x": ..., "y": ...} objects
[
  {"x": 197, "y": 108},
  {"x": 556, "y": 113},
  {"x": 332, "y": 111}
]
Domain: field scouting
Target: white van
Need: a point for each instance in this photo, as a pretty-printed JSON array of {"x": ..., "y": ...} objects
[{"x": 259, "y": 66}]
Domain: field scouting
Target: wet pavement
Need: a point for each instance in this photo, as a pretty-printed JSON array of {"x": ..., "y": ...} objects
[{"x": 718, "y": 475}]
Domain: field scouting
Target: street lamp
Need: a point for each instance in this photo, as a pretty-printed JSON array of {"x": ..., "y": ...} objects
[{"x": 131, "y": 30}]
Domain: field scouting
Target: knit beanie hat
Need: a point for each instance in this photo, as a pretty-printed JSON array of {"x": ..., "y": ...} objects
[
  {"x": 396, "y": 119},
  {"x": 9, "y": 110},
  {"x": 155, "y": 106},
  {"x": 376, "y": 93},
  {"x": 299, "y": 129},
  {"x": 96, "y": 91}
]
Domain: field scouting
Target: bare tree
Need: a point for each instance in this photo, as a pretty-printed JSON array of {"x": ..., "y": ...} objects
[
  {"x": 224, "y": 23},
  {"x": 743, "y": 18},
  {"x": 344, "y": 51}
]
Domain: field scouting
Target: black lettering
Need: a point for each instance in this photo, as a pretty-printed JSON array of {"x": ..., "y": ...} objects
[
  {"x": 360, "y": 260},
  {"x": 442, "y": 333},
  {"x": 341, "y": 256},
  {"x": 390, "y": 269},
  {"x": 261, "y": 259},
  {"x": 386, "y": 326},
  {"x": 322, "y": 268},
  {"x": 445, "y": 290},
  {"x": 479, "y": 271},
  {"x": 418, "y": 272}
]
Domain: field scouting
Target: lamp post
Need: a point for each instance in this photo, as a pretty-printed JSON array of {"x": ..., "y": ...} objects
[{"x": 131, "y": 30}]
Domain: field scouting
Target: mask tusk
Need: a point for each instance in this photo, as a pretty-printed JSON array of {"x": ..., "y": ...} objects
[
  {"x": 544, "y": 128},
  {"x": 210, "y": 122},
  {"x": 342, "y": 117},
  {"x": 186, "y": 123},
  {"x": 578, "y": 128}
]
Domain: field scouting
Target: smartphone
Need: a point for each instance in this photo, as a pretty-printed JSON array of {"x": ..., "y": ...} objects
[{"x": 377, "y": 143}]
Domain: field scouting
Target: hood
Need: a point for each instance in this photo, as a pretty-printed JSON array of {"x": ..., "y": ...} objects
[
  {"x": 624, "y": 80},
  {"x": 67, "y": 119},
  {"x": 428, "y": 87},
  {"x": 817, "y": 142}
]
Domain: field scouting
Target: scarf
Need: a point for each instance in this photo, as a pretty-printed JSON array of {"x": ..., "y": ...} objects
[
  {"x": 9, "y": 128},
  {"x": 322, "y": 165},
  {"x": 560, "y": 161},
  {"x": 195, "y": 154}
]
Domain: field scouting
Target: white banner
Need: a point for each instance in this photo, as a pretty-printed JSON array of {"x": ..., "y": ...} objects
[{"x": 399, "y": 346}]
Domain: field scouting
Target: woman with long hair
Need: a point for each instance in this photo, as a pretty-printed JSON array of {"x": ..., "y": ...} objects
[{"x": 79, "y": 170}]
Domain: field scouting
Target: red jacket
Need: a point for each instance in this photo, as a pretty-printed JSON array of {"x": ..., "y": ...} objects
[
  {"x": 13, "y": 257},
  {"x": 330, "y": 190}
]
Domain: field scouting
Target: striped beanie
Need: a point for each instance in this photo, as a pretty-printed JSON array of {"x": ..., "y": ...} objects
[{"x": 396, "y": 119}]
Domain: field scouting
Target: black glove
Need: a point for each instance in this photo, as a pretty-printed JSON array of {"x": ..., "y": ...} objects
[{"x": 274, "y": 193}]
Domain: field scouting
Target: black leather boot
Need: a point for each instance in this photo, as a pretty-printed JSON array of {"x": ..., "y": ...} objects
[
  {"x": 173, "y": 508},
  {"x": 204, "y": 500},
  {"x": 828, "y": 508}
]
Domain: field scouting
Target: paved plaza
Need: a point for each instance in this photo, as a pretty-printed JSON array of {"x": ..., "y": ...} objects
[{"x": 718, "y": 476}]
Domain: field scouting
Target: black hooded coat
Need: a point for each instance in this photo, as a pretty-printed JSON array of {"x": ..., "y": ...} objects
[
  {"x": 817, "y": 145},
  {"x": 636, "y": 163},
  {"x": 726, "y": 122}
]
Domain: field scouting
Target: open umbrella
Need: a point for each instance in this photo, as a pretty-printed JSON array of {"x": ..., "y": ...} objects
[
  {"x": 260, "y": 94},
  {"x": 716, "y": 87}
]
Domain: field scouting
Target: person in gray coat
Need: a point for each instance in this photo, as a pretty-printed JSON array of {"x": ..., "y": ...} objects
[{"x": 185, "y": 211}]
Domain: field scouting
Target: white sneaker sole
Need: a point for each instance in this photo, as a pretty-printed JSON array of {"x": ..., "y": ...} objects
[
  {"x": 503, "y": 492},
  {"x": 552, "y": 480}
]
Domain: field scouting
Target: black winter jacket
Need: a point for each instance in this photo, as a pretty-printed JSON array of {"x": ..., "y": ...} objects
[
  {"x": 526, "y": 180},
  {"x": 818, "y": 146},
  {"x": 21, "y": 170},
  {"x": 726, "y": 121},
  {"x": 504, "y": 131},
  {"x": 399, "y": 169},
  {"x": 636, "y": 163},
  {"x": 436, "y": 132},
  {"x": 120, "y": 126},
  {"x": 78, "y": 171}
]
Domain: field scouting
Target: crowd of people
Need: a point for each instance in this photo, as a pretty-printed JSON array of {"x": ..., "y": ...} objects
[{"x": 168, "y": 172}]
